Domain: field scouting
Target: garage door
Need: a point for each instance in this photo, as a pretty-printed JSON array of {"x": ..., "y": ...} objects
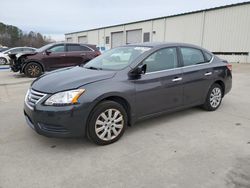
[
  {"x": 69, "y": 39},
  {"x": 116, "y": 39},
  {"x": 134, "y": 36},
  {"x": 82, "y": 39}
]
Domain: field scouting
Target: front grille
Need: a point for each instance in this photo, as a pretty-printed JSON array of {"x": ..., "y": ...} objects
[{"x": 33, "y": 97}]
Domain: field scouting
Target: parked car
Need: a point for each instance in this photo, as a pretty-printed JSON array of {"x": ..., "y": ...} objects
[
  {"x": 111, "y": 91},
  {"x": 3, "y": 49},
  {"x": 4, "y": 55},
  {"x": 53, "y": 56}
]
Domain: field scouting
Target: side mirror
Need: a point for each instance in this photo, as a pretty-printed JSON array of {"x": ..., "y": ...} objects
[
  {"x": 47, "y": 52},
  {"x": 138, "y": 71}
]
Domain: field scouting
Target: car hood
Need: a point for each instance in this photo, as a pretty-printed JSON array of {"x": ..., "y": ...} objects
[
  {"x": 69, "y": 78},
  {"x": 18, "y": 55}
]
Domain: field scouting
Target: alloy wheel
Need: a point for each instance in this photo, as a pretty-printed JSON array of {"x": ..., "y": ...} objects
[
  {"x": 34, "y": 70},
  {"x": 2, "y": 61},
  {"x": 215, "y": 97},
  {"x": 109, "y": 124}
]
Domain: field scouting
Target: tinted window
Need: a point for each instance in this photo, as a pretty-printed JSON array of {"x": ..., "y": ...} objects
[
  {"x": 57, "y": 48},
  {"x": 73, "y": 47},
  {"x": 162, "y": 60},
  {"x": 192, "y": 56},
  {"x": 28, "y": 50},
  {"x": 85, "y": 48},
  {"x": 14, "y": 51},
  {"x": 208, "y": 56}
]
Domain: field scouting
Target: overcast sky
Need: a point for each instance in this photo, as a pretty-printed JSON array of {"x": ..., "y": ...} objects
[{"x": 56, "y": 17}]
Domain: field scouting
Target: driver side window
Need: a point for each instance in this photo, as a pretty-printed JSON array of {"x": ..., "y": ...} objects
[
  {"x": 163, "y": 59},
  {"x": 57, "y": 48}
]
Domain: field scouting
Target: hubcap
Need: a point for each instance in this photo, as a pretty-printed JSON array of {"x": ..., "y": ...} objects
[
  {"x": 109, "y": 124},
  {"x": 33, "y": 70},
  {"x": 2, "y": 61},
  {"x": 215, "y": 97}
]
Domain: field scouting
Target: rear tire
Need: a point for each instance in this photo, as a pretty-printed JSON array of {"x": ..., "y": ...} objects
[
  {"x": 3, "y": 61},
  {"x": 214, "y": 98},
  {"x": 33, "y": 70},
  {"x": 108, "y": 122}
]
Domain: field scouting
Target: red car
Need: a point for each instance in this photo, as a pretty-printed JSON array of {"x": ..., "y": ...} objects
[{"x": 53, "y": 56}]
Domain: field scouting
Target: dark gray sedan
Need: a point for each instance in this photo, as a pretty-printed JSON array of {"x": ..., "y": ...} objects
[{"x": 124, "y": 85}]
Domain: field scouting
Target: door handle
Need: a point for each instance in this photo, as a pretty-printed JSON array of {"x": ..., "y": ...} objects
[
  {"x": 177, "y": 79},
  {"x": 208, "y": 73},
  {"x": 83, "y": 54},
  {"x": 63, "y": 55}
]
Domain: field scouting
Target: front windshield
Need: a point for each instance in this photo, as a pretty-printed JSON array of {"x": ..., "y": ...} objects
[
  {"x": 117, "y": 58},
  {"x": 43, "y": 48}
]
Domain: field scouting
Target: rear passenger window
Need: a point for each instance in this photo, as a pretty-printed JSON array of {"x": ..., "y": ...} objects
[
  {"x": 162, "y": 60},
  {"x": 85, "y": 48},
  {"x": 73, "y": 47},
  {"x": 192, "y": 56}
]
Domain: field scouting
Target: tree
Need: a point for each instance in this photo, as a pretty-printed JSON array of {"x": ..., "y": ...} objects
[{"x": 12, "y": 36}]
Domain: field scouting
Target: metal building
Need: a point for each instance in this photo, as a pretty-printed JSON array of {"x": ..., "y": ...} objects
[{"x": 223, "y": 30}]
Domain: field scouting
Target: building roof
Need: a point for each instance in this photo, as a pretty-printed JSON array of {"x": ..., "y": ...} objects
[{"x": 175, "y": 15}]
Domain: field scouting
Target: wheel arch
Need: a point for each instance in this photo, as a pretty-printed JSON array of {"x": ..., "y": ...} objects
[
  {"x": 122, "y": 101},
  {"x": 222, "y": 84},
  {"x": 32, "y": 61},
  {"x": 116, "y": 98}
]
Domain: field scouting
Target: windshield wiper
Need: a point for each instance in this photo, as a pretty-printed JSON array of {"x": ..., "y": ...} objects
[{"x": 93, "y": 68}]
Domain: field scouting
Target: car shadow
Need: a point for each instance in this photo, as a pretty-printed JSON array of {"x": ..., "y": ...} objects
[
  {"x": 163, "y": 118},
  {"x": 84, "y": 143}
]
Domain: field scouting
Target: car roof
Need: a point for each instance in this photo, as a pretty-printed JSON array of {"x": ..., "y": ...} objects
[
  {"x": 72, "y": 43},
  {"x": 21, "y": 47},
  {"x": 162, "y": 44},
  {"x": 166, "y": 44}
]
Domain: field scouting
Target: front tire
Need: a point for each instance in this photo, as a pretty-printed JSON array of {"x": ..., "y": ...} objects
[
  {"x": 33, "y": 70},
  {"x": 214, "y": 98},
  {"x": 107, "y": 123}
]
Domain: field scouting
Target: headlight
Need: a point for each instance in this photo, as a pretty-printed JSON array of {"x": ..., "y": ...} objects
[{"x": 65, "y": 98}]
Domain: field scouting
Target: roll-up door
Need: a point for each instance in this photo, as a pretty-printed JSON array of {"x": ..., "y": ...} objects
[
  {"x": 82, "y": 39},
  {"x": 134, "y": 36},
  {"x": 116, "y": 39}
]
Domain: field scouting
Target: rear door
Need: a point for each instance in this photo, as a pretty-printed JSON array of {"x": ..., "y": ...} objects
[
  {"x": 78, "y": 54},
  {"x": 160, "y": 88},
  {"x": 55, "y": 58},
  {"x": 197, "y": 75}
]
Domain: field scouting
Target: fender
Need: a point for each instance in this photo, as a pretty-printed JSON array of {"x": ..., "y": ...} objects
[{"x": 131, "y": 113}]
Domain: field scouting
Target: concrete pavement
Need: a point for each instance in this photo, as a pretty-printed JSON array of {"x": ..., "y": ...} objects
[{"x": 188, "y": 149}]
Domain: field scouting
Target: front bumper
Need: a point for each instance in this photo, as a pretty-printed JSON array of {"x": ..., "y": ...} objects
[{"x": 66, "y": 121}]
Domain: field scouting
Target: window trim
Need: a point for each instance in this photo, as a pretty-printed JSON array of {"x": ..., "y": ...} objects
[
  {"x": 177, "y": 68},
  {"x": 179, "y": 61}
]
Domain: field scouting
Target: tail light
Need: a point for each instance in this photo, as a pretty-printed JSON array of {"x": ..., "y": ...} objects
[
  {"x": 230, "y": 67},
  {"x": 98, "y": 53}
]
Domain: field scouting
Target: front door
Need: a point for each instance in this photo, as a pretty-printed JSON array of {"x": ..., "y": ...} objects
[
  {"x": 160, "y": 88},
  {"x": 55, "y": 57}
]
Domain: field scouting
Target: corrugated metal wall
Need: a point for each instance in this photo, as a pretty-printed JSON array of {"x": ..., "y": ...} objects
[{"x": 219, "y": 30}]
